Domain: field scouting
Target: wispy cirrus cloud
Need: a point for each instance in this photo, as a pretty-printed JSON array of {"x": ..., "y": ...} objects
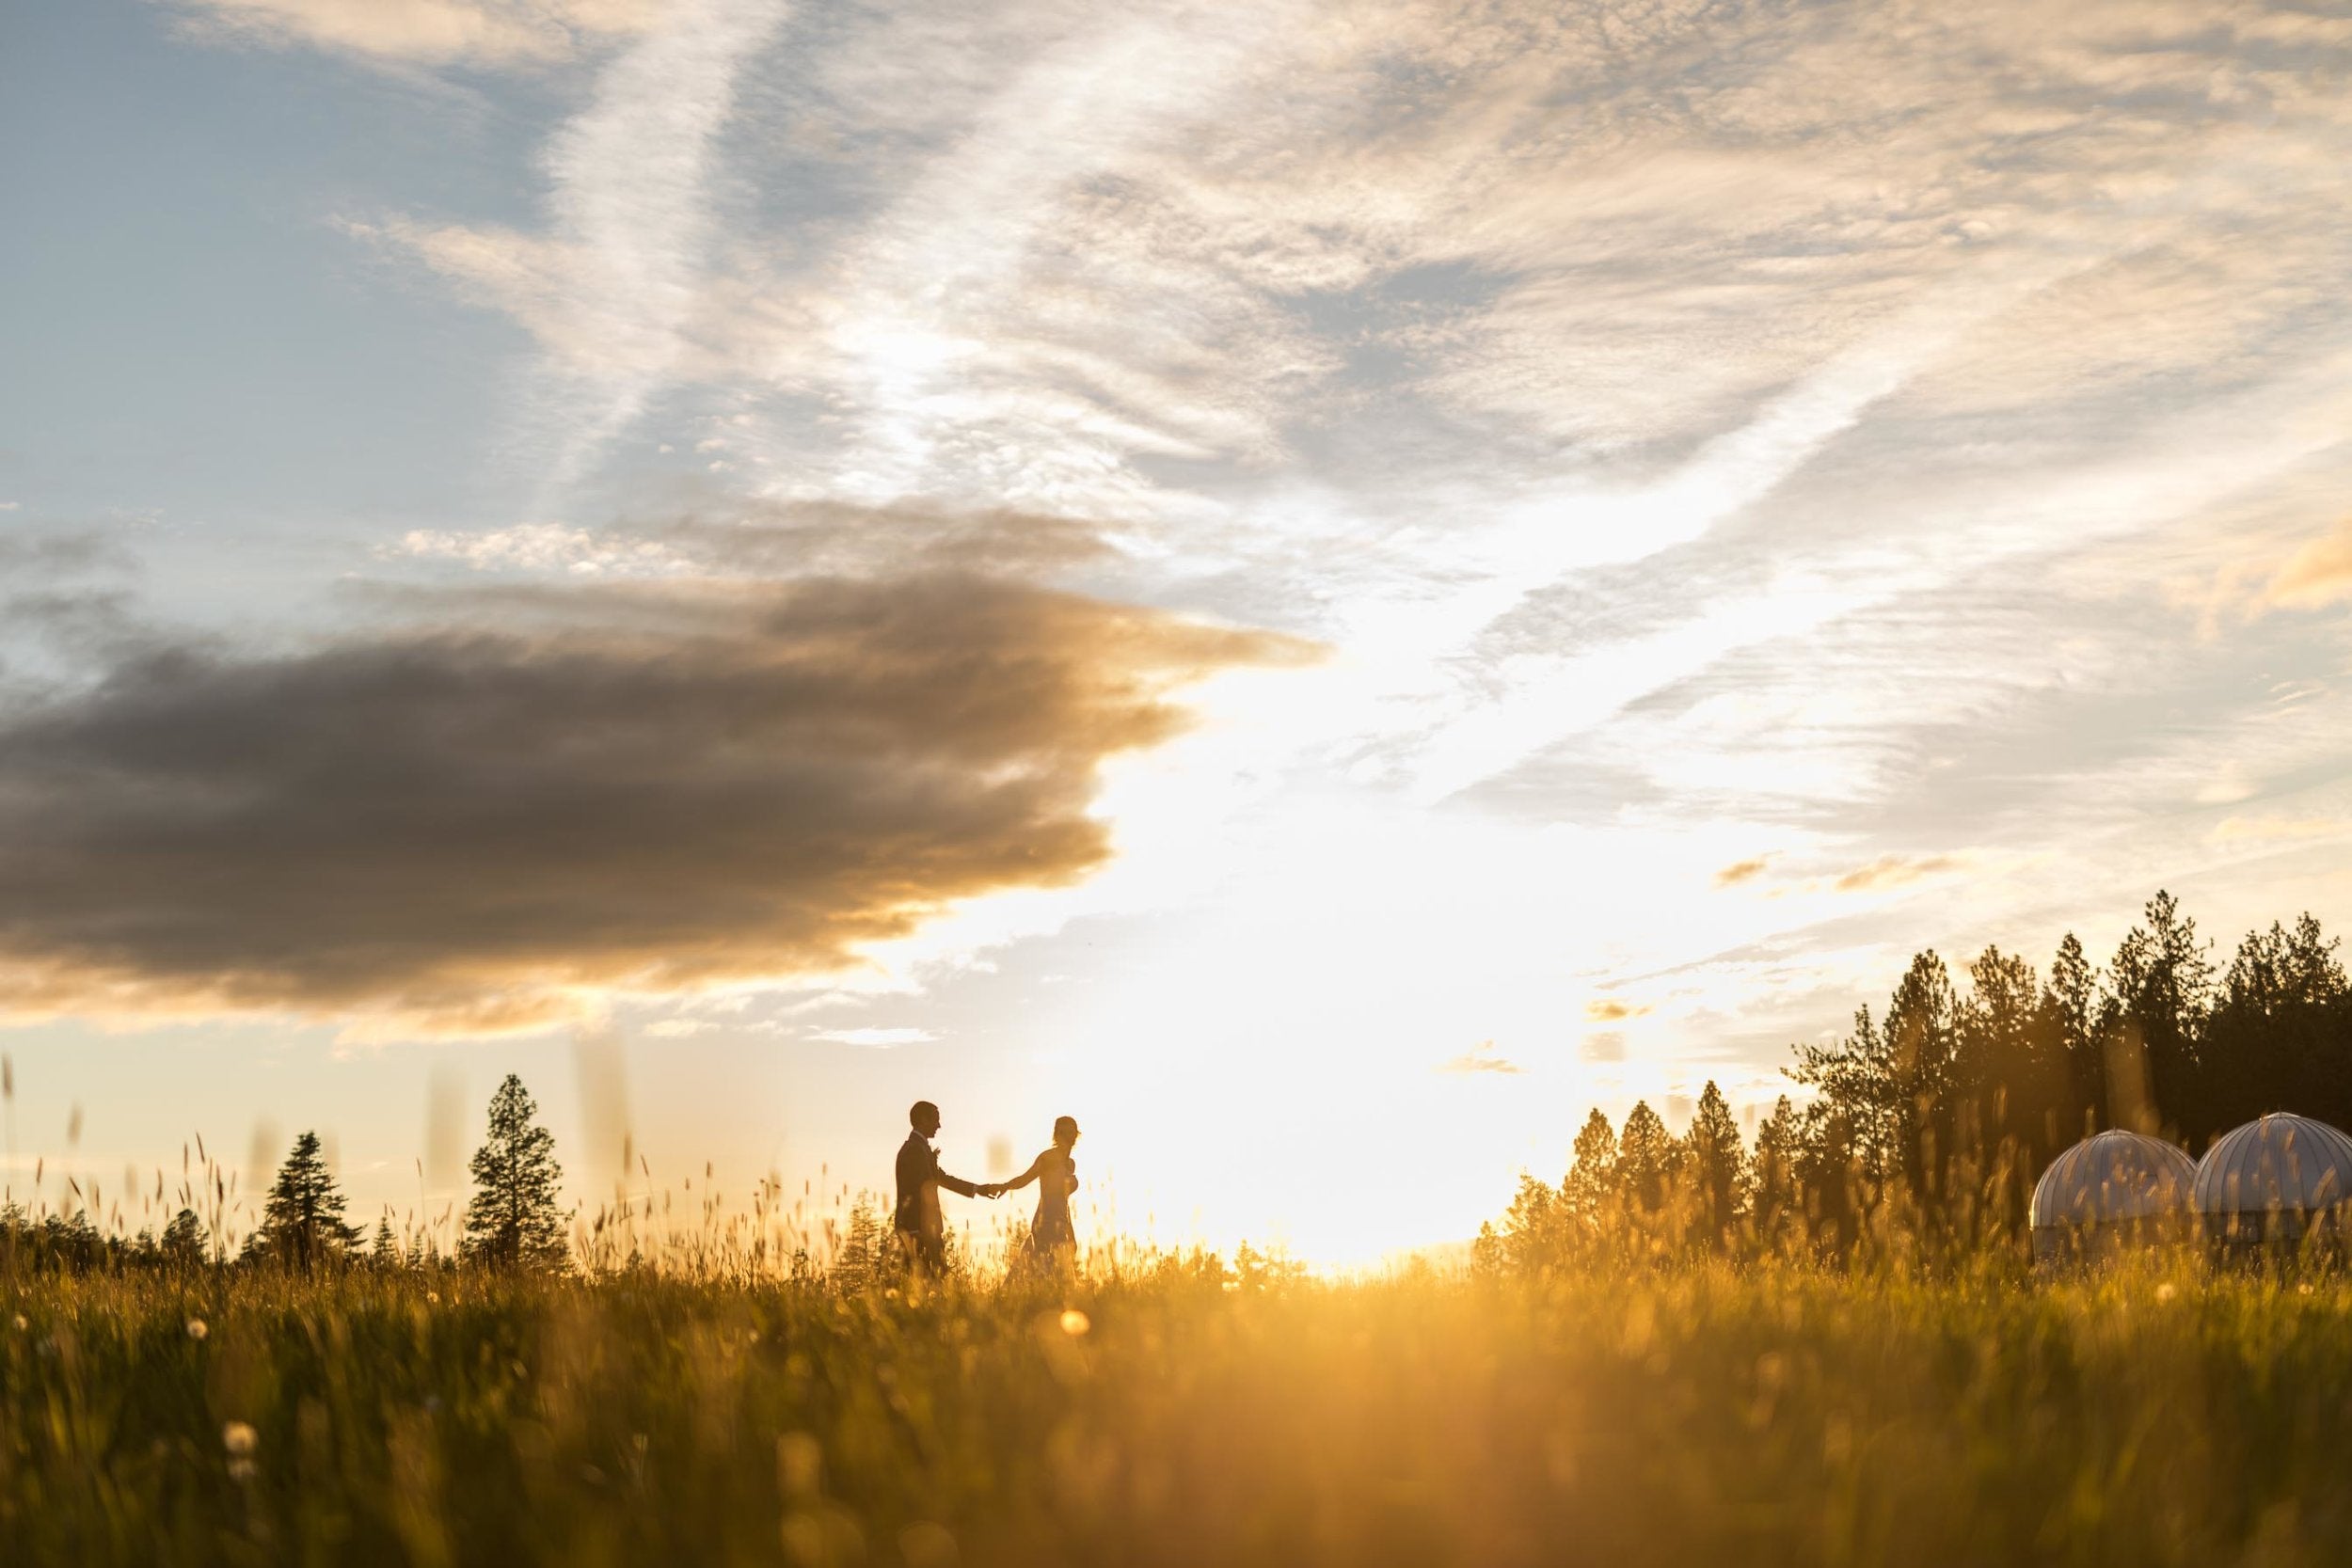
[
  {"x": 2318, "y": 574},
  {"x": 614, "y": 289},
  {"x": 431, "y": 32},
  {"x": 1479, "y": 1058},
  {"x": 1889, "y": 871},
  {"x": 875, "y": 1037},
  {"x": 1706, "y": 426}
]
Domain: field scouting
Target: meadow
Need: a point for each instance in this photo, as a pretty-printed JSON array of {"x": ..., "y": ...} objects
[{"x": 1170, "y": 1411}]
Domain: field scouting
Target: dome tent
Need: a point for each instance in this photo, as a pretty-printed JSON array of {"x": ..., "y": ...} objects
[
  {"x": 2278, "y": 1178},
  {"x": 2112, "y": 1187}
]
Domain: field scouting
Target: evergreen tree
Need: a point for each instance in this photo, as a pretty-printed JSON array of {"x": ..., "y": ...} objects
[
  {"x": 869, "y": 1255},
  {"x": 1831, "y": 1174},
  {"x": 183, "y": 1246},
  {"x": 513, "y": 1220},
  {"x": 2013, "y": 1091},
  {"x": 1923, "y": 1039},
  {"x": 385, "y": 1250},
  {"x": 2159, "y": 990},
  {"x": 1645, "y": 1158},
  {"x": 2074, "y": 993},
  {"x": 1716, "y": 1162},
  {"x": 302, "y": 1224},
  {"x": 1948, "y": 1108},
  {"x": 1584, "y": 1192},
  {"x": 1535, "y": 1229},
  {"x": 1774, "y": 1201},
  {"x": 2277, "y": 1038}
]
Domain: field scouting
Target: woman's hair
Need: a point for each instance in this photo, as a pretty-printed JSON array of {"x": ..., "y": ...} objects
[{"x": 1065, "y": 1125}]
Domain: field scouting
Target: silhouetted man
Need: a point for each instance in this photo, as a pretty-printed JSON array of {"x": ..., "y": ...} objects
[{"x": 921, "y": 1231}]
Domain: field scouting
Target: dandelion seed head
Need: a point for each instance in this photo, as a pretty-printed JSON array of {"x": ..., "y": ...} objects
[
  {"x": 196, "y": 1329},
  {"x": 1075, "y": 1322},
  {"x": 239, "y": 1438}
]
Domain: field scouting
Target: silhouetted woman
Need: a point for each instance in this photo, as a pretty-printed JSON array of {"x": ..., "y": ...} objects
[{"x": 1052, "y": 1237}]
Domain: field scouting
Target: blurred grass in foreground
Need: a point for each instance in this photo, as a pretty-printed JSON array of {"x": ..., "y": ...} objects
[{"x": 1759, "y": 1412}]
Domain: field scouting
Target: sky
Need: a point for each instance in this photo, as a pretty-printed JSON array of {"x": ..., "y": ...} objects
[{"x": 1320, "y": 585}]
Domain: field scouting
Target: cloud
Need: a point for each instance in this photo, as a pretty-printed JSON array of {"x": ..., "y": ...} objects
[
  {"x": 1609, "y": 1010},
  {"x": 653, "y": 788},
  {"x": 879, "y": 1038},
  {"x": 1894, "y": 871},
  {"x": 60, "y": 552},
  {"x": 2277, "y": 830},
  {"x": 1742, "y": 871},
  {"x": 2318, "y": 574},
  {"x": 615, "y": 291},
  {"x": 1479, "y": 1058},
  {"x": 429, "y": 32},
  {"x": 772, "y": 538}
]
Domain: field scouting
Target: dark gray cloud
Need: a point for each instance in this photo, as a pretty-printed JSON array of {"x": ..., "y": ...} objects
[
  {"x": 44, "y": 553},
  {"x": 665, "y": 786}
]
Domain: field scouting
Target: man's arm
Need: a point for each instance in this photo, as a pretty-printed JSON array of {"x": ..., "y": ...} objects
[{"x": 953, "y": 1183}]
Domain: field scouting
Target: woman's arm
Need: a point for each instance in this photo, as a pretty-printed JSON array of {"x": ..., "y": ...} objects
[{"x": 1024, "y": 1178}]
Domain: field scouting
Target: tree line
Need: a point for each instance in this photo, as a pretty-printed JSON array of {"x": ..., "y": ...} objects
[
  {"x": 514, "y": 1219},
  {"x": 1933, "y": 1119}
]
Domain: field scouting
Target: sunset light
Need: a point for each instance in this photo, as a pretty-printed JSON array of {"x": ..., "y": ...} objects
[{"x": 973, "y": 653}]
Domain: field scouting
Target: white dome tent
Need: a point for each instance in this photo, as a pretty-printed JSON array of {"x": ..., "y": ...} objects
[
  {"x": 2278, "y": 1177},
  {"x": 2111, "y": 1188}
]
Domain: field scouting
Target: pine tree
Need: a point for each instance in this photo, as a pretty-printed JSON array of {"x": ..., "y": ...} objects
[
  {"x": 2160, "y": 991},
  {"x": 1531, "y": 1227},
  {"x": 183, "y": 1246},
  {"x": 1584, "y": 1192},
  {"x": 1645, "y": 1158},
  {"x": 2074, "y": 998},
  {"x": 302, "y": 1225},
  {"x": 513, "y": 1220},
  {"x": 1773, "y": 1200},
  {"x": 385, "y": 1251},
  {"x": 1716, "y": 1162},
  {"x": 867, "y": 1257}
]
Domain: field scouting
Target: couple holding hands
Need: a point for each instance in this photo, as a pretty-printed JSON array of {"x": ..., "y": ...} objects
[{"x": 922, "y": 1232}]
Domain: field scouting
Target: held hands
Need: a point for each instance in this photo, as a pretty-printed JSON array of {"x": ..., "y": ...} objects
[{"x": 991, "y": 1189}]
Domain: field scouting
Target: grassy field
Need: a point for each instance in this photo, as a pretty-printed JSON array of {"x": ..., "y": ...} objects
[{"x": 1164, "y": 1416}]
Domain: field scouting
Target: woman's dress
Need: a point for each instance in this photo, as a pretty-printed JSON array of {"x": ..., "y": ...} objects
[{"x": 1051, "y": 1231}]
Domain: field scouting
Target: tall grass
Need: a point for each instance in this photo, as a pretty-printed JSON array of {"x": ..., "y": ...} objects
[{"x": 1167, "y": 1411}]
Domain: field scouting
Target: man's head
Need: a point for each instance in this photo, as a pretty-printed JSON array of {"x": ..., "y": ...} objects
[{"x": 924, "y": 1117}]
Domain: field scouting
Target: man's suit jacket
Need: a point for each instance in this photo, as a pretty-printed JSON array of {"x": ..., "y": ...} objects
[{"x": 919, "y": 1166}]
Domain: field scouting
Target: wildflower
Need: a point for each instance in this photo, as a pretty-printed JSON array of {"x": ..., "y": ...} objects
[
  {"x": 239, "y": 1438},
  {"x": 20, "y": 1325},
  {"x": 2167, "y": 1290},
  {"x": 196, "y": 1329},
  {"x": 433, "y": 1297},
  {"x": 1074, "y": 1322}
]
